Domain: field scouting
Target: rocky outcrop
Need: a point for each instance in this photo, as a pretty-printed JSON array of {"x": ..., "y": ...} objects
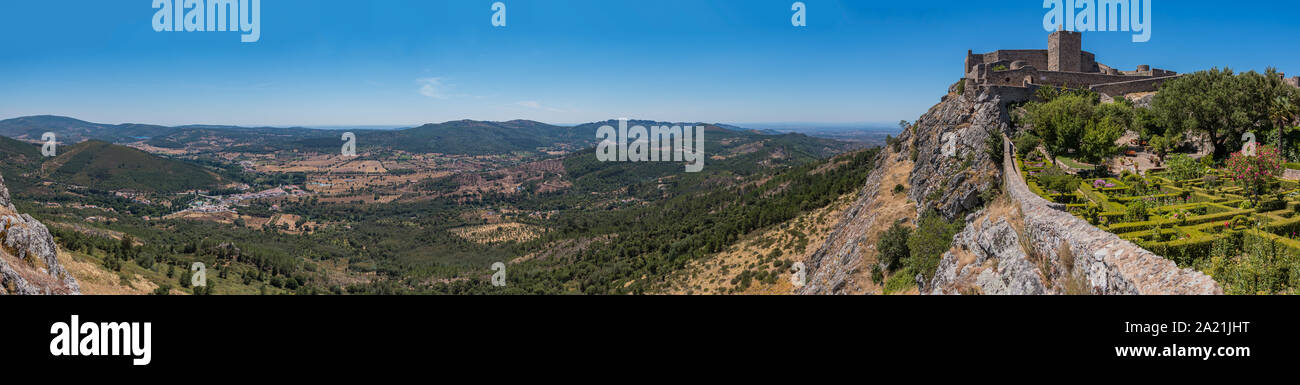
[
  {"x": 994, "y": 262},
  {"x": 950, "y": 182},
  {"x": 29, "y": 261}
]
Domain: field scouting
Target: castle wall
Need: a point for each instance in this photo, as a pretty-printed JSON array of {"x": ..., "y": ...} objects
[
  {"x": 1036, "y": 58},
  {"x": 1132, "y": 86},
  {"x": 1032, "y": 76},
  {"x": 1076, "y": 79},
  {"x": 1088, "y": 62}
]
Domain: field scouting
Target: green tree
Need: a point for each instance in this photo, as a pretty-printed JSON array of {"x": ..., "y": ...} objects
[
  {"x": 892, "y": 246},
  {"x": 1282, "y": 112},
  {"x": 1062, "y": 121},
  {"x": 145, "y": 260},
  {"x": 1098, "y": 141},
  {"x": 1222, "y": 106},
  {"x": 127, "y": 246}
]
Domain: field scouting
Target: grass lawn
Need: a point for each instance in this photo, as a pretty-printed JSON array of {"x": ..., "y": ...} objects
[{"x": 1070, "y": 162}]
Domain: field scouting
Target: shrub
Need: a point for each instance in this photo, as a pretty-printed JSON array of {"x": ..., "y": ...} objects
[
  {"x": 898, "y": 189},
  {"x": 927, "y": 244},
  {"x": 1207, "y": 161},
  {"x": 1055, "y": 179},
  {"x": 894, "y": 143},
  {"x": 1136, "y": 211},
  {"x": 993, "y": 145},
  {"x": 900, "y": 282},
  {"x": 1211, "y": 180},
  {"x": 1270, "y": 205},
  {"x": 935, "y": 195},
  {"x": 1186, "y": 252},
  {"x": 892, "y": 246},
  {"x": 1026, "y": 143},
  {"x": 1265, "y": 266},
  {"x": 164, "y": 289},
  {"x": 1183, "y": 167},
  {"x": 145, "y": 260}
]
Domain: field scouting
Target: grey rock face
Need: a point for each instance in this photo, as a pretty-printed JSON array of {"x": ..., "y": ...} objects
[
  {"x": 30, "y": 263},
  {"x": 999, "y": 267},
  {"x": 951, "y": 183}
]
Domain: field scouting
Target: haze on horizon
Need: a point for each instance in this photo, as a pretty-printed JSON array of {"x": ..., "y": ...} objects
[{"x": 402, "y": 63}]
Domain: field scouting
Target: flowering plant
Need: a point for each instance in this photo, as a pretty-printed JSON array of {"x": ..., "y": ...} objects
[{"x": 1253, "y": 173}]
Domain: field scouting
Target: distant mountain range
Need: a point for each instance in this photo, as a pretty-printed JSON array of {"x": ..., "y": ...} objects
[{"x": 462, "y": 137}]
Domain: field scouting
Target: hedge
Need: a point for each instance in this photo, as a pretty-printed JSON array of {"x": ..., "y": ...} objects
[{"x": 1185, "y": 251}]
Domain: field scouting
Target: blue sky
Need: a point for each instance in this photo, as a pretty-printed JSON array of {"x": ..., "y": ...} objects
[{"x": 409, "y": 62}]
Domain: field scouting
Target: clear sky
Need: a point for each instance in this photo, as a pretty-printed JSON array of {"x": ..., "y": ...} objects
[{"x": 409, "y": 62}]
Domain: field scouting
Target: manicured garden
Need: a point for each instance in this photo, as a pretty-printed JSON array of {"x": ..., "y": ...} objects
[
  {"x": 1236, "y": 222},
  {"x": 1226, "y": 213}
]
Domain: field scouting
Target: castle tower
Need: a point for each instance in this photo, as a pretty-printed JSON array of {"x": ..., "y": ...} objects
[{"x": 1064, "y": 51}]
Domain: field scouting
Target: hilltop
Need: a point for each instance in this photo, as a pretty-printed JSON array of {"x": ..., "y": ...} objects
[
  {"x": 101, "y": 166},
  {"x": 106, "y": 166}
]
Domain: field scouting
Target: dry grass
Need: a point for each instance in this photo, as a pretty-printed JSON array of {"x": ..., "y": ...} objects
[
  {"x": 1075, "y": 282},
  {"x": 889, "y": 208},
  {"x": 714, "y": 275},
  {"x": 95, "y": 280}
]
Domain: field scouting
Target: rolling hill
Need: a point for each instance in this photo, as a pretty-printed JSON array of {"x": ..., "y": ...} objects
[
  {"x": 71, "y": 130},
  {"x": 106, "y": 166},
  {"x": 18, "y": 162}
]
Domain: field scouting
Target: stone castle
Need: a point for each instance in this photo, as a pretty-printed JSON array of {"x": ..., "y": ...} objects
[{"x": 1063, "y": 64}]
